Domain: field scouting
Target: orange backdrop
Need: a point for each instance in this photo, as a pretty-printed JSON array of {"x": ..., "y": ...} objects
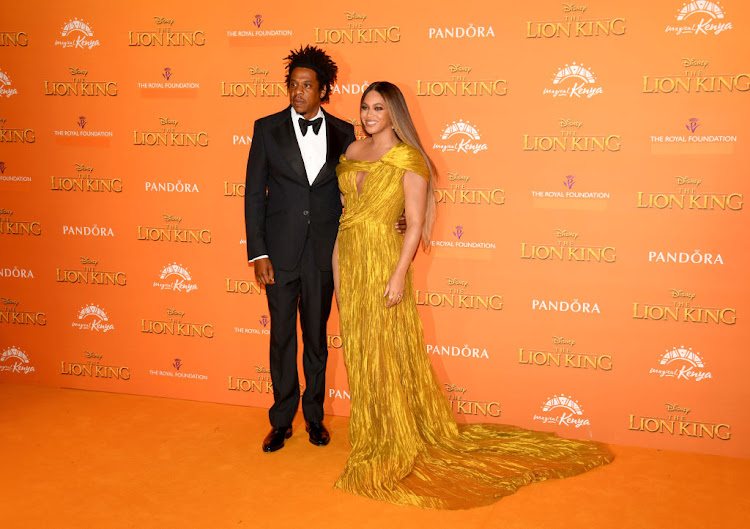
[{"x": 588, "y": 273}]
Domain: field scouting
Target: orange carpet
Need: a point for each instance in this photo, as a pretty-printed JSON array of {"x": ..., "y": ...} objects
[{"x": 98, "y": 460}]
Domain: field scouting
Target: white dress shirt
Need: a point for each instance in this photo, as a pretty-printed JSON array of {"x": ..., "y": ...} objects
[{"x": 314, "y": 147}]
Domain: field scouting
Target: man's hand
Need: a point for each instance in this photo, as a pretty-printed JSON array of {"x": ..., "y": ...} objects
[
  {"x": 401, "y": 225},
  {"x": 264, "y": 271}
]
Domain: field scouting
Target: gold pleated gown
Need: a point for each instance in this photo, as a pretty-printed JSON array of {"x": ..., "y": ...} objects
[{"x": 406, "y": 446}]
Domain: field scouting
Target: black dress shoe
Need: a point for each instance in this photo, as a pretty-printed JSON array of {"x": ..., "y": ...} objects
[
  {"x": 318, "y": 434},
  {"x": 275, "y": 439}
]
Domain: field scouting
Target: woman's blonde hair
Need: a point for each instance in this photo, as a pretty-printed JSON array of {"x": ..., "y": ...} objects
[{"x": 404, "y": 128}]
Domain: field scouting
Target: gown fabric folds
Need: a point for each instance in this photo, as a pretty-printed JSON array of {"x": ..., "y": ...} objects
[{"x": 406, "y": 446}]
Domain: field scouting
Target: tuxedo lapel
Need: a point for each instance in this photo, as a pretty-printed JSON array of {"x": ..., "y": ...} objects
[
  {"x": 335, "y": 141},
  {"x": 287, "y": 142}
]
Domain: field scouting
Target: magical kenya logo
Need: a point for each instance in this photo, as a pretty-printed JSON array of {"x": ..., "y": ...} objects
[
  {"x": 176, "y": 278},
  {"x": 14, "y": 360},
  {"x": 574, "y": 81},
  {"x": 462, "y": 137},
  {"x": 562, "y": 410},
  {"x": 77, "y": 34},
  {"x": 683, "y": 364},
  {"x": 700, "y": 18},
  {"x": 6, "y": 90},
  {"x": 93, "y": 318}
]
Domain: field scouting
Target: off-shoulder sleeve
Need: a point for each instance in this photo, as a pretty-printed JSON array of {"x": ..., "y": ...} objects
[{"x": 408, "y": 158}]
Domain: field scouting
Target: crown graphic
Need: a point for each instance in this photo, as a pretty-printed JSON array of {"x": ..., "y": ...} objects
[
  {"x": 175, "y": 269},
  {"x": 700, "y": 6},
  {"x": 577, "y": 71},
  {"x": 681, "y": 353},
  {"x": 564, "y": 402},
  {"x": 14, "y": 352},
  {"x": 77, "y": 25},
  {"x": 461, "y": 127},
  {"x": 93, "y": 310}
]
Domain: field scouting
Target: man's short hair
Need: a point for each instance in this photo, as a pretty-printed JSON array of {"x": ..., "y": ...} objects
[{"x": 316, "y": 60}]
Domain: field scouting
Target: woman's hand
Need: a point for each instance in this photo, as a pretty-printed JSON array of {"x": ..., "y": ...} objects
[{"x": 394, "y": 290}]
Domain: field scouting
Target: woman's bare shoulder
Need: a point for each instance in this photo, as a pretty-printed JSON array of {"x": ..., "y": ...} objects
[{"x": 356, "y": 149}]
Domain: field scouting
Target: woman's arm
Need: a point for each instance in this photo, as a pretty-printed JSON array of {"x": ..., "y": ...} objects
[
  {"x": 415, "y": 204},
  {"x": 335, "y": 264}
]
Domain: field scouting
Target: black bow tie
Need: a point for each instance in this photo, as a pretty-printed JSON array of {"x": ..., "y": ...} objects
[{"x": 315, "y": 124}]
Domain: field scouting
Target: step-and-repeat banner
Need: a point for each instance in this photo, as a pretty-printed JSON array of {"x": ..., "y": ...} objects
[{"x": 588, "y": 273}]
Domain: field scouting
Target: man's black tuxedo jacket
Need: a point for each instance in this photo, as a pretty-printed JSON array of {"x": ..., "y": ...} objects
[{"x": 281, "y": 207}]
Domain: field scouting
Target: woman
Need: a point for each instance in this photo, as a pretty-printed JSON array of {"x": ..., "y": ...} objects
[{"x": 406, "y": 446}]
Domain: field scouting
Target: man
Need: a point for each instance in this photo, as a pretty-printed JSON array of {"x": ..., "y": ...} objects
[{"x": 292, "y": 210}]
